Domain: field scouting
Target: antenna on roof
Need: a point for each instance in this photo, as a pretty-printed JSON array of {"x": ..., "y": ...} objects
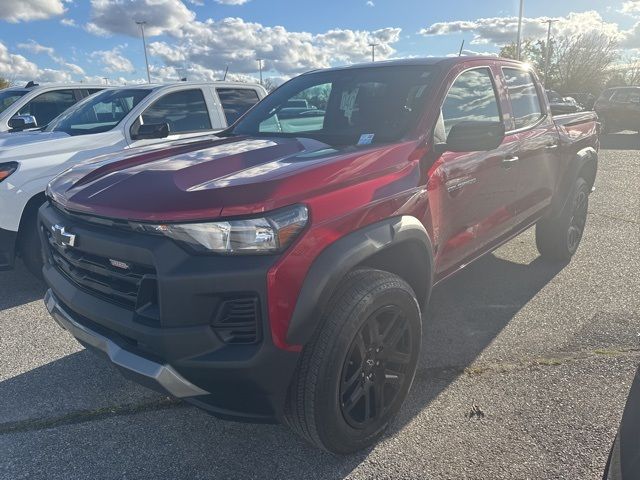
[
  {"x": 226, "y": 70},
  {"x": 31, "y": 84},
  {"x": 461, "y": 47}
]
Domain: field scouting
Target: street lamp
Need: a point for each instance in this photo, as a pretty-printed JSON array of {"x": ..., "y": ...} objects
[
  {"x": 260, "y": 67},
  {"x": 373, "y": 46},
  {"x": 548, "y": 54},
  {"x": 519, "y": 41},
  {"x": 144, "y": 45}
]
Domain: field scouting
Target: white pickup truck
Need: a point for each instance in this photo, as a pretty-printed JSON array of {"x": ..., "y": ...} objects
[
  {"x": 36, "y": 105},
  {"x": 107, "y": 122}
]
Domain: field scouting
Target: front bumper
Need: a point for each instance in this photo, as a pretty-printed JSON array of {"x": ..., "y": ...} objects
[
  {"x": 169, "y": 341},
  {"x": 7, "y": 248}
]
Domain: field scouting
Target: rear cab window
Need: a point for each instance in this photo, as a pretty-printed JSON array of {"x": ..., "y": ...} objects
[
  {"x": 236, "y": 101},
  {"x": 526, "y": 107}
]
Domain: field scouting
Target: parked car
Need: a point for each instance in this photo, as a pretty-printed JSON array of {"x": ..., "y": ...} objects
[
  {"x": 282, "y": 274},
  {"x": 587, "y": 100},
  {"x": 624, "y": 458},
  {"x": 561, "y": 105},
  {"x": 110, "y": 121},
  {"x": 36, "y": 105},
  {"x": 619, "y": 109}
]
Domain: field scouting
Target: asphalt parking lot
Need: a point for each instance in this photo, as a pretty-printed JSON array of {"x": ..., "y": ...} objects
[{"x": 546, "y": 353}]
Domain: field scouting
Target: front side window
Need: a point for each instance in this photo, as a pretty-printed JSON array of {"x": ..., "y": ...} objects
[
  {"x": 343, "y": 106},
  {"x": 236, "y": 101},
  {"x": 184, "y": 111},
  {"x": 49, "y": 105},
  {"x": 9, "y": 97},
  {"x": 525, "y": 104},
  {"x": 626, "y": 96},
  {"x": 99, "y": 113},
  {"x": 472, "y": 97}
]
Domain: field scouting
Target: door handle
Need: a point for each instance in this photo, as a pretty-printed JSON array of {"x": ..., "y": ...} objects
[
  {"x": 510, "y": 161},
  {"x": 551, "y": 146}
]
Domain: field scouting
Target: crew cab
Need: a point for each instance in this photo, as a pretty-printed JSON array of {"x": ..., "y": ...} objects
[
  {"x": 36, "y": 105},
  {"x": 282, "y": 272},
  {"x": 110, "y": 121}
]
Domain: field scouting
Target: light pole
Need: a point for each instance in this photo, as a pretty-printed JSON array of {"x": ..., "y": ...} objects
[
  {"x": 519, "y": 41},
  {"x": 260, "y": 67},
  {"x": 373, "y": 46},
  {"x": 144, "y": 45},
  {"x": 548, "y": 55}
]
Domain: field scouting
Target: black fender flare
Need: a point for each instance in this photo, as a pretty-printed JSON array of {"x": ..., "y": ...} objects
[
  {"x": 580, "y": 160},
  {"x": 351, "y": 251}
]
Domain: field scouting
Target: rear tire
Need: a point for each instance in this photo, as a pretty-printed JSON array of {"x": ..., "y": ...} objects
[
  {"x": 356, "y": 371},
  {"x": 30, "y": 246},
  {"x": 558, "y": 238}
]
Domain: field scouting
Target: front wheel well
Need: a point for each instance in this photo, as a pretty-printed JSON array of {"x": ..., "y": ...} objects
[
  {"x": 588, "y": 172},
  {"x": 30, "y": 209},
  {"x": 410, "y": 261}
]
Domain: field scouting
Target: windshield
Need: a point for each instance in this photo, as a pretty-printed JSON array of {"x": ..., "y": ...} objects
[
  {"x": 8, "y": 97},
  {"x": 351, "y": 106},
  {"x": 98, "y": 113}
]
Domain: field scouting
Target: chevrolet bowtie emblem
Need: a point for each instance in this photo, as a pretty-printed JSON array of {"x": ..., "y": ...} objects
[{"x": 62, "y": 237}]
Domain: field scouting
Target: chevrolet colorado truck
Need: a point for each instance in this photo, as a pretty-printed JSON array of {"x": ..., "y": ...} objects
[
  {"x": 281, "y": 272},
  {"x": 113, "y": 120}
]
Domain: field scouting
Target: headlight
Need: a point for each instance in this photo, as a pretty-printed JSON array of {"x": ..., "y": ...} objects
[
  {"x": 269, "y": 234},
  {"x": 7, "y": 169}
]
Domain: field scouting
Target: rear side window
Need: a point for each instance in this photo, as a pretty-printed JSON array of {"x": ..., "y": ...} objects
[
  {"x": 626, "y": 96},
  {"x": 49, "y": 105},
  {"x": 525, "y": 103},
  {"x": 236, "y": 101},
  {"x": 472, "y": 97},
  {"x": 185, "y": 111}
]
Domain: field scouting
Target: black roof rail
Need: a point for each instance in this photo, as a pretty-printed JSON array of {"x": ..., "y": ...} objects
[{"x": 31, "y": 84}]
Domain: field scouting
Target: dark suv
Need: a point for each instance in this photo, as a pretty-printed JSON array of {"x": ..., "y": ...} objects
[{"x": 619, "y": 109}]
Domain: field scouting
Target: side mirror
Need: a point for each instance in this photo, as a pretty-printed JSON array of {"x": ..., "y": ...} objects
[
  {"x": 151, "y": 131},
  {"x": 22, "y": 122},
  {"x": 472, "y": 136}
]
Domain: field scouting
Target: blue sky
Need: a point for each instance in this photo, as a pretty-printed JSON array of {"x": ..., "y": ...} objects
[{"x": 62, "y": 40}]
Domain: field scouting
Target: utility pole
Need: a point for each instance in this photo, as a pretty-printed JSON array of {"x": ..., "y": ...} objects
[
  {"x": 144, "y": 45},
  {"x": 373, "y": 46},
  {"x": 260, "y": 67},
  {"x": 548, "y": 54},
  {"x": 519, "y": 41}
]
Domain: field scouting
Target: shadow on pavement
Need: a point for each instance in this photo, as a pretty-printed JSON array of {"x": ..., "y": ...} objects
[
  {"x": 18, "y": 287},
  {"x": 466, "y": 314},
  {"x": 620, "y": 141}
]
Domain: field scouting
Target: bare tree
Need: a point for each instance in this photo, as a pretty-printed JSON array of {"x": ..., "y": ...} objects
[{"x": 4, "y": 83}]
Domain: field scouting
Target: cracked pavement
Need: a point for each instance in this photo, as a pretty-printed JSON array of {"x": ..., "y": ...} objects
[{"x": 546, "y": 353}]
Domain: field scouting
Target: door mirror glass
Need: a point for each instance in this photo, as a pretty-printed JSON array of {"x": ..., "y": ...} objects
[
  {"x": 151, "y": 131},
  {"x": 22, "y": 122},
  {"x": 471, "y": 136}
]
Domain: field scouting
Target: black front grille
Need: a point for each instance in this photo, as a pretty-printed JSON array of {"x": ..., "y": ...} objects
[
  {"x": 111, "y": 279},
  {"x": 238, "y": 320}
]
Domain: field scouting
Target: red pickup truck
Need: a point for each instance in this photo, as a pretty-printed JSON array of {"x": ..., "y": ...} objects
[{"x": 281, "y": 272}]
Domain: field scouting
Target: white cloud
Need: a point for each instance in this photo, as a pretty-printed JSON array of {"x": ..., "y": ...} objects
[
  {"x": 631, "y": 8},
  {"x": 503, "y": 30},
  {"x": 232, "y": 2},
  {"x": 68, "y": 22},
  {"x": 119, "y": 16},
  {"x": 370, "y": 3},
  {"x": 34, "y": 47},
  {"x": 113, "y": 61},
  {"x": 25, "y": 10}
]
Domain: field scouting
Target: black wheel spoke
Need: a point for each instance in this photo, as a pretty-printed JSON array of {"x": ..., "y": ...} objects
[{"x": 355, "y": 397}]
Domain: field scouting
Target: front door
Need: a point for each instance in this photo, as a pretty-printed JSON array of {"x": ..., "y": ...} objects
[{"x": 475, "y": 201}]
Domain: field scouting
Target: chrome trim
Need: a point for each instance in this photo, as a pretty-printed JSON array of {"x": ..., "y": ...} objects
[
  {"x": 457, "y": 184},
  {"x": 164, "y": 375}
]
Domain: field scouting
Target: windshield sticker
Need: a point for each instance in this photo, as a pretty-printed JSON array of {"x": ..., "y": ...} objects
[
  {"x": 348, "y": 102},
  {"x": 366, "y": 139}
]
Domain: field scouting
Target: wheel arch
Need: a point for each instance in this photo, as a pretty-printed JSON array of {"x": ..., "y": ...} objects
[
  {"x": 584, "y": 164},
  {"x": 31, "y": 207},
  {"x": 399, "y": 245}
]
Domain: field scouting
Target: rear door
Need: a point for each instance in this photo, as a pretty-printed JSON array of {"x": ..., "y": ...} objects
[
  {"x": 236, "y": 101},
  {"x": 538, "y": 142},
  {"x": 476, "y": 204},
  {"x": 48, "y": 105}
]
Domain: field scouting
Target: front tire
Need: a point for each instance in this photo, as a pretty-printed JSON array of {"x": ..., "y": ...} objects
[
  {"x": 30, "y": 245},
  {"x": 355, "y": 373},
  {"x": 558, "y": 238}
]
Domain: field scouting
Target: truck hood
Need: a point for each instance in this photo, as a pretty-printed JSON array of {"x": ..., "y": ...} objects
[
  {"x": 210, "y": 178},
  {"x": 24, "y": 145}
]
